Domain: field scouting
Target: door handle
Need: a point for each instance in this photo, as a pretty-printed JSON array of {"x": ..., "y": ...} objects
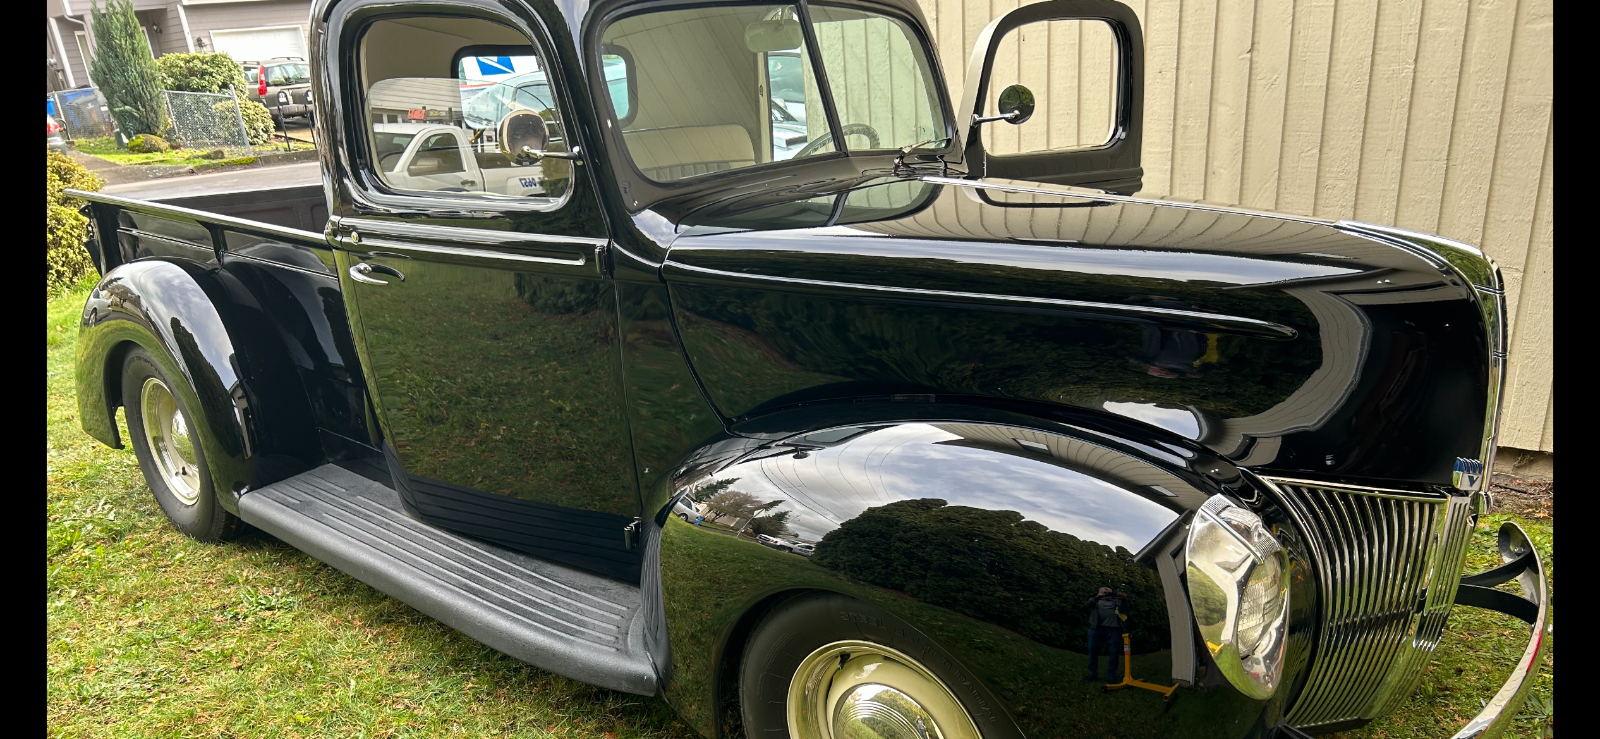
[
  {"x": 361, "y": 273},
  {"x": 468, "y": 183}
]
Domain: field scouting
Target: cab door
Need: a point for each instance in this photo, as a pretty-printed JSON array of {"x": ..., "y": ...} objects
[{"x": 487, "y": 322}]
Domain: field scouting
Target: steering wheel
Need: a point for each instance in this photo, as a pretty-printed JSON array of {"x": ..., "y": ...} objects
[
  {"x": 383, "y": 162},
  {"x": 849, "y": 129},
  {"x": 781, "y": 113}
]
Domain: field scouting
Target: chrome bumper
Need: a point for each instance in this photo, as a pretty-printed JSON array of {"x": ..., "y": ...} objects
[{"x": 1521, "y": 562}]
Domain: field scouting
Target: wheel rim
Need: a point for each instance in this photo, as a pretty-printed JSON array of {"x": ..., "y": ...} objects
[
  {"x": 168, "y": 436},
  {"x": 860, "y": 690}
]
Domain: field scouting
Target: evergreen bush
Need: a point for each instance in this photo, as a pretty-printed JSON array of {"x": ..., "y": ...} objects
[{"x": 124, "y": 72}]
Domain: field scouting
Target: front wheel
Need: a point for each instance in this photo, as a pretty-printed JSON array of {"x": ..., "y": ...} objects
[
  {"x": 825, "y": 666},
  {"x": 168, "y": 445}
]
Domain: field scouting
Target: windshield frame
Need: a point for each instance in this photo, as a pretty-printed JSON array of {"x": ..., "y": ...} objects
[{"x": 639, "y": 191}]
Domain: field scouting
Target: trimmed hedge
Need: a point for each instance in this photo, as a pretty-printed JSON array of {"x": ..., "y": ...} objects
[
  {"x": 66, "y": 230},
  {"x": 209, "y": 72}
]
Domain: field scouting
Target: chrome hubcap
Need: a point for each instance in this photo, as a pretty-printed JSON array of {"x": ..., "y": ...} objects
[
  {"x": 167, "y": 434},
  {"x": 860, "y": 690}
]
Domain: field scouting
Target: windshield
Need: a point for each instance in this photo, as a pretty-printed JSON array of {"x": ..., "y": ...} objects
[
  {"x": 288, "y": 74},
  {"x": 720, "y": 88}
]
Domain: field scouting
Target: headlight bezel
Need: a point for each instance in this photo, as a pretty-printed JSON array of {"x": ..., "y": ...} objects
[{"x": 1235, "y": 563}]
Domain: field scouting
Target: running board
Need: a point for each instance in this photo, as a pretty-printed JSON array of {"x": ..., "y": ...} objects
[{"x": 567, "y": 621}]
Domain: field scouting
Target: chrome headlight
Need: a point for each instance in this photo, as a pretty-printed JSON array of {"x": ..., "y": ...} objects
[{"x": 1239, "y": 588}]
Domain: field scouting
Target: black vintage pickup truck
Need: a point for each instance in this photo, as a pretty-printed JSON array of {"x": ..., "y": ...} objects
[{"x": 622, "y": 344}]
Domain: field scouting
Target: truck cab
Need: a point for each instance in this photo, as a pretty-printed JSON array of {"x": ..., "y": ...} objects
[{"x": 756, "y": 250}]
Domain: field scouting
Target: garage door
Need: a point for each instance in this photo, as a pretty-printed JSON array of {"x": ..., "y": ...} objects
[{"x": 255, "y": 44}]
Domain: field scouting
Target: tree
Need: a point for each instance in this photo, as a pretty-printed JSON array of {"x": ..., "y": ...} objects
[
  {"x": 736, "y": 505},
  {"x": 124, "y": 72},
  {"x": 774, "y": 524},
  {"x": 710, "y": 491},
  {"x": 996, "y": 567}
]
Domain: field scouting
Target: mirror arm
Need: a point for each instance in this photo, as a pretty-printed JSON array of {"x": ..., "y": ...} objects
[
  {"x": 576, "y": 155},
  {"x": 979, "y": 119}
]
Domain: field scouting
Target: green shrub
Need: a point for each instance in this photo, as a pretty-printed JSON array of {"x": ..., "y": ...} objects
[
  {"x": 124, "y": 70},
  {"x": 66, "y": 260},
  {"x": 257, "y": 119},
  {"x": 147, "y": 143},
  {"x": 209, "y": 72}
]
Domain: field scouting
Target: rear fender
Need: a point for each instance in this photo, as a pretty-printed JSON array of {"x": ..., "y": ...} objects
[
  {"x": 984, "y": 529},
  {"x": 201, "y": 325}
]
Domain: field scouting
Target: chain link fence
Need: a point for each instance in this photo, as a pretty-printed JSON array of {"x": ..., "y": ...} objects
[
  {"x": 82, "y": 114},
  {"x": 205, "y": 120}
]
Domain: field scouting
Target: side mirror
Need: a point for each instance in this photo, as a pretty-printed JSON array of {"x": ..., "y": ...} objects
[
  {"x": 523, "y": 137},
  {"x": 1016, "y": 106},
  {"x": 425, "y": 165},
  {"x": 1113, "y": 166}
]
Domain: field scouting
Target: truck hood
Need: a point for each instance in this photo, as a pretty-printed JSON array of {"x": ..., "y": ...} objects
[{"x": 1285, "y": 344}]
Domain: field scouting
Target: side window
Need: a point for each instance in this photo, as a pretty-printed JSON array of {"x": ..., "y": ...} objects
[
  {"x": 441, "y": 93},
  {"x": 616, "y": 63},
  {"x": 1071, "y": 67}
]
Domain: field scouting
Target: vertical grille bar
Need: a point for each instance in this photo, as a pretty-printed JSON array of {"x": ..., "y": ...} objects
[{"x": 1387, "y": 567}]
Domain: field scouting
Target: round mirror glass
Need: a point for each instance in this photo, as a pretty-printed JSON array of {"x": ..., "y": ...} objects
[
  {"x": 1016, "y": 103},
  {"x": 522, "y": 135}
]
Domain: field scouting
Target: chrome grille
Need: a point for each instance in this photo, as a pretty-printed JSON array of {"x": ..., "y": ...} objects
[{"x": 1387, "y": 567}]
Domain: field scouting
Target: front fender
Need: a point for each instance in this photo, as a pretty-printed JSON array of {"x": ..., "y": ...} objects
[
  {"x": 987, "y": 532},
  {"x": 198, "y": 324}
]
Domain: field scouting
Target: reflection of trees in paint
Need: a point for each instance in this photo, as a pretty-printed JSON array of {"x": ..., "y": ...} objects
[
  {"x": 752, "y": 345},
  {"x": 772, "y": 524},
  {"x": 996, "y": 567},
  {"x": 736, "y": 505}
]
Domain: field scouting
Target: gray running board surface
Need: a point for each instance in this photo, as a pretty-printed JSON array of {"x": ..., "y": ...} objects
[{"x": 564, "y": 620}]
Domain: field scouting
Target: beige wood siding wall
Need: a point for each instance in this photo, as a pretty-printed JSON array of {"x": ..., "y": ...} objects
[{"x": 1430, "y": 115}]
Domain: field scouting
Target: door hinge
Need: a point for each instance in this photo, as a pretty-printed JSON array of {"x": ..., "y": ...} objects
[{"x": 630, "y": 534}]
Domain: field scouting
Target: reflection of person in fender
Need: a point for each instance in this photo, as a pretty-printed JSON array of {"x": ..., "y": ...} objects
[
  {"x": 1174, "y": 352},
  {"x": 1106, "y": 611}
]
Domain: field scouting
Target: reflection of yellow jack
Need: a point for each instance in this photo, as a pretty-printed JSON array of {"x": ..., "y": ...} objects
[{"x": 1129, "y": 682}]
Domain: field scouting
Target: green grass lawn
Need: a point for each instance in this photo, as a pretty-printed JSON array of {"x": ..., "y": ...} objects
[
  {"x": 107, "y": 149},
  {"x": 153, "y": 634}
]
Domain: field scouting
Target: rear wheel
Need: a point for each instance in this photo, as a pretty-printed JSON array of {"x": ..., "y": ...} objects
[
  {"x": 824, "y": 666},
  {"x": 171, "y": 456}
]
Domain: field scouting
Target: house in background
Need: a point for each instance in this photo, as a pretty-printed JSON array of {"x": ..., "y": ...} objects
[{"x": 246, "y": 29}]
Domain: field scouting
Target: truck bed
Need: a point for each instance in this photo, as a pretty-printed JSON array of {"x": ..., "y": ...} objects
[{"x": 303, "y": 207}]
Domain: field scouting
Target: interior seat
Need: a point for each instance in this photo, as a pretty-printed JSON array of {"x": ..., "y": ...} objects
[{"x": 667, "y": 154}]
